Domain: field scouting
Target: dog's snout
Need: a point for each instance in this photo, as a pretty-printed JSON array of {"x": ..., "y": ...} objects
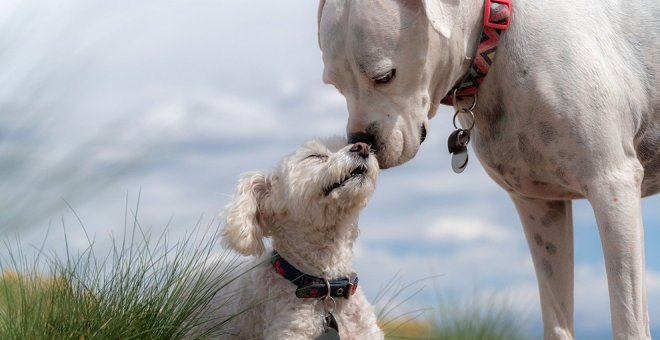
[
  {"x": 361, "y": 137},
  {"x": 361, "y": 149}
]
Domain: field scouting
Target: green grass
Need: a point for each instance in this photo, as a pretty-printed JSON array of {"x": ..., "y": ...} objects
[
  {"x": 145, "y": 289},
  {"x": 141, "y": 289},
  {"x": 481, "y": 317},
  {"x": 489, "y": 317}
]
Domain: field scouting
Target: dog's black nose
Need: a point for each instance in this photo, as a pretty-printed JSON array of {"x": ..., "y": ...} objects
[
  {"x": 361, "y": 137},
  {"x": 361, "y": 149}
]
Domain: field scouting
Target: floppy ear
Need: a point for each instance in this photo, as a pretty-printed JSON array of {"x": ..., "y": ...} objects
[
  {"x": 244, "y": 229},
  {"x": 441, "y": 15},
  {"x": 318, "y": 20}
]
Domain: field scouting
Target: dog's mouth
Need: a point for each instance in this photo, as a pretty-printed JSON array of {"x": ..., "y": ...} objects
[{"x": 355, "y": 173}]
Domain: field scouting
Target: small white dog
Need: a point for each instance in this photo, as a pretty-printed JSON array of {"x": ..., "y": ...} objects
[{"x": 309, "y": 208}]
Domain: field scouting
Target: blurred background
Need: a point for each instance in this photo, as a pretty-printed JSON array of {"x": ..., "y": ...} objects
[{"x": 104, "y": 104}]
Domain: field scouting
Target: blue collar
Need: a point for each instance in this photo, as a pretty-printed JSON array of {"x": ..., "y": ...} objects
[{"x": 310, "y": 286}]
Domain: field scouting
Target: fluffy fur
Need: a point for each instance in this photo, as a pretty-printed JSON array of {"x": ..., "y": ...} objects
[
  {"x": 309, "y": 208},
  {"x": 570, "y": 109}
]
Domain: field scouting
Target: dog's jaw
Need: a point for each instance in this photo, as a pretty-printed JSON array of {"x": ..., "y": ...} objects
[{"x": 355, "y": 175}]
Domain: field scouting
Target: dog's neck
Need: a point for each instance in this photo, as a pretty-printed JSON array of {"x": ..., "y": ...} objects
[
  {"x": 456, "y": 54},
  {"x": 470, "y": 26},
  {"x": 325, "y": 252}
]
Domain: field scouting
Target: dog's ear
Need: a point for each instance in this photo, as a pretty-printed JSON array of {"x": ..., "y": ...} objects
[
  {"x": 441, "y": 15},
  {"x": 244, "y": 229},
  {"x": 318, "y": 20}
]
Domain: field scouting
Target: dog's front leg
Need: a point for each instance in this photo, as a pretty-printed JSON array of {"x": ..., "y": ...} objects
[
  {"x": 548, "y": 228},
  {"x": 615, "y": 198}
]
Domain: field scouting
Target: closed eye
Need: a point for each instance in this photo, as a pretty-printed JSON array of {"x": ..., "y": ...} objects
[
  {"x": 385, "y": 78},
  {"x": 317, "y": 156}
]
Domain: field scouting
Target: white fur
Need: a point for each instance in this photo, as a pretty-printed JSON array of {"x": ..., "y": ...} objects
[
  {"x": 570, "y": 109},
  {"x": 313, "y": 231}
]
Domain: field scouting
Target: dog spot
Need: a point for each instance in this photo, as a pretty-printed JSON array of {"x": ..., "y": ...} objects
[
  {"x": 551, "y": 217},
  {"x": 556, "y": 205},
  {"x": 547, "y": 132},
  {"x": 492, "y": 120},
  {"x": 523, "y": 143},
  {"x": 499, "y": 168},
  {"x": 539, "y": 183},
  {"x": 531, "y": 217},
  {"x": 550, "y": 248},
  {"x": 538, "y": 239},
  {"x": 527, "y": 151},
  {"x": 546, "y": 268}
]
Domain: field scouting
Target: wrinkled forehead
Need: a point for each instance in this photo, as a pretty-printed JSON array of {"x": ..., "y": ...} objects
[{"x": 364, "y": 33}]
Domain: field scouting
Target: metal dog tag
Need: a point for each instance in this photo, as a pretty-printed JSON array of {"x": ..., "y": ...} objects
[
  {"x": 457, "y": 145},
  {"x": 331, "y": 329}
]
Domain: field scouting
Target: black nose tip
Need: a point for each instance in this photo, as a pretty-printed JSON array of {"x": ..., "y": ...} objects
[
  {"x": 361, "y": 149},
  {"x": 361, "y": 137}
]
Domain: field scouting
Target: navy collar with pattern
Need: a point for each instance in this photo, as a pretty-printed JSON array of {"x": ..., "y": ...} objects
[{"x": 310, "y": 286}]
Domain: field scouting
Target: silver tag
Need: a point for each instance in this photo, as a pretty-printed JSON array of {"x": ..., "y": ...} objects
[
  {"x": 329, "y": 334},
  {"x": 457, "y": 146},
  {"x": 459, "y": 161},
  {"x": 331, "y": 331}
]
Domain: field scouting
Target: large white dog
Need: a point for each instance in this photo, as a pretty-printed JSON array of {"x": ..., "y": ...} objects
[{"x": 570, "y": 109}]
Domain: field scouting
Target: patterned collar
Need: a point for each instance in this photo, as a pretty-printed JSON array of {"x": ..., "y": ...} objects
[
  {"x": 497, "y": 15},
  {"x": 310, "y": 286}
]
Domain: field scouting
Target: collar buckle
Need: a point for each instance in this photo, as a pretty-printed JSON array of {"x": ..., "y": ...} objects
[
  {"x": 351, "y": 286},
  {"x": 497, "y": 14}
]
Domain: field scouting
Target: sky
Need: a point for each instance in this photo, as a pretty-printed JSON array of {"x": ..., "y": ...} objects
[{"x": 168, "y": 102}]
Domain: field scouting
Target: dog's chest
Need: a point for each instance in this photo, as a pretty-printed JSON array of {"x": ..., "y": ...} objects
[
  {"x": 534, "y": 158},
  {"x": 551, "y": 156}
]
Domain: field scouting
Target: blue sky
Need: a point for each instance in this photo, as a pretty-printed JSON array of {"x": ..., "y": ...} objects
[{"x": 172, "y": 99}]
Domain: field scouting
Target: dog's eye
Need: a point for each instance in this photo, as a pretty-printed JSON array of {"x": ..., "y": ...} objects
[
  {"x": 317, "y": 156},
  {"x": 385, "y": 78}
]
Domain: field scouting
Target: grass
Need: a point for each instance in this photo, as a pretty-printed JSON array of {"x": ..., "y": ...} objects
[
  {"x": 145, "y": 289},
  {"x": 141, "y": 289},
  {"x": 489, "y": 317}
]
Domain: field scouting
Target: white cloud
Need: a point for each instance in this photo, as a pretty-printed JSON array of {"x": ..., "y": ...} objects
[{"x": 465, "y": 230}]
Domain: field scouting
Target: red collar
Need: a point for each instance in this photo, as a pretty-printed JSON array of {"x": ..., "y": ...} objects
[{"x": 497, "y": 15}]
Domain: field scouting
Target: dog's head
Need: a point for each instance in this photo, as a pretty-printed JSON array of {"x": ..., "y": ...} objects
[
  {"x": 393, "y": 60},
  {"x": 323, "y": 182}
]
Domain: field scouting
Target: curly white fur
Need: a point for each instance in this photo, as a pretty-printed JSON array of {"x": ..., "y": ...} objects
[{"x": 313, "y": 227}]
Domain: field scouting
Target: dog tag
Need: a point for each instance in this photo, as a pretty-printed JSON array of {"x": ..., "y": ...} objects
[
  {"x": 458, "y": 141},
  {"x": 331, "y": 329},
  {"x": 459, "y": 161},
  {"x": 457, "y": 145}
]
